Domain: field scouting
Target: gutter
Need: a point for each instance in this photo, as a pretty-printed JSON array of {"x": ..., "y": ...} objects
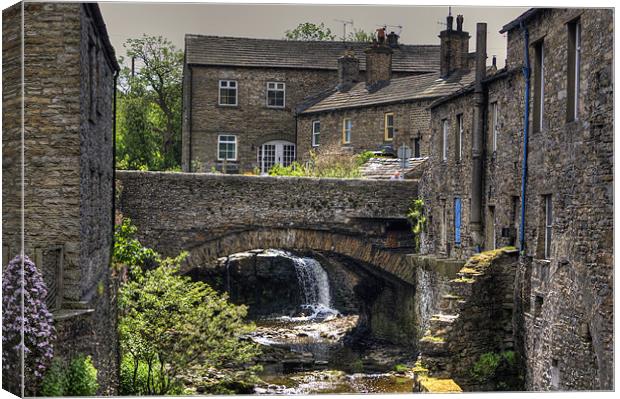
[{"x": 526, "y": 117}]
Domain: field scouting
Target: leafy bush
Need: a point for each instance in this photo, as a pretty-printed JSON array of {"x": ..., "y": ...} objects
[
  {"x": 170, "y": 325},
  {"x": 417, "y": 220},
  {"x": 79, "y": 378},
  {"x": 128, "y": 251},
  {"x": 37, "y": 325},
  {"x": 400, "y": 368},
  {"x": 489, "y": 363},
  {"x": 82, "y": 376},
  {"x": 327, "y": 163},
  {"x": 55, "y": 382}
]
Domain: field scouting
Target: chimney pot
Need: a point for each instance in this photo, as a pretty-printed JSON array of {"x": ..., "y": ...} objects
[
  {"x": 449, "y": 21},
  {"x": 393, "y": 40},
  {"x": 459, "y": 23}
]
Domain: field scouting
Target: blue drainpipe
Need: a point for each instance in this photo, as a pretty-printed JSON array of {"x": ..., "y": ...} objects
[{"x": 526, "y": 123}]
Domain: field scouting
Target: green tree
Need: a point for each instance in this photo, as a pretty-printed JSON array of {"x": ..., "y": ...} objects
[
  {"x": 150, "y": 105},
  {"x": 359, "y": 35},
  {"x": 172, "y": 328},
  {"x": 309, "y": 31}
]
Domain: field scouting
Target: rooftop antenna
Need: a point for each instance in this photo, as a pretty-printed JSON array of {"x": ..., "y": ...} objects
[
  {"x": 344, "y": 23},
  {"x": 442, "y": 23}
]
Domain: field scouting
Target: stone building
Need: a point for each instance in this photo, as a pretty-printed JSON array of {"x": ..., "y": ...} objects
[
  {"x": 239, "y": 95},
  {"x": 58, "y": 158},
  {"x": 382, "y": 112},
  {"x": 563, "y": 319}
]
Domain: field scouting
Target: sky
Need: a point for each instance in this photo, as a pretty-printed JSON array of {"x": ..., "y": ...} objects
[{"x": 420, "y": 24}]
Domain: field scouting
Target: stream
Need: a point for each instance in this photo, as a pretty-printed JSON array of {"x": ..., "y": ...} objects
[{"x": 312, "y": 351}]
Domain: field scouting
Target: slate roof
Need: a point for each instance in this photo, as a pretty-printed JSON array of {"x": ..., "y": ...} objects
[
  {"x": 403, "y": 89},
  {"x": 238, "y": 51},
  {"x": 384, "y": 168},
  {"x": 515, "y": 23}
]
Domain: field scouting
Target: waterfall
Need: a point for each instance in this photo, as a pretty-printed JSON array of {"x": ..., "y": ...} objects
[{"x": 314, "y": 284}]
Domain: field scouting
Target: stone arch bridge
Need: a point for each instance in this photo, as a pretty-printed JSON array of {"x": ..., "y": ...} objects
[{"x": 212, "y": 216}]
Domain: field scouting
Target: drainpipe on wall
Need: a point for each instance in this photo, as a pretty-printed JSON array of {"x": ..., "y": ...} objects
[
  {"x": 478, "y": 132},
  {"x": 114, "y": 158},
  {"x": 526, "y": 121}
]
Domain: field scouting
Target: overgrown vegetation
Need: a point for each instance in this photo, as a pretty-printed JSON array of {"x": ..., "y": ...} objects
[
  {"x": 79, "y": 378},
  {"x": 176, "y": 333},
  {"x": 327, "y": 163},
  {"x": 148, "y": 120},
  {"x": 491, "y": 365},
  {"x": 417, "y": 220},
  {"x": 312, "y": 32},
  {"x": 36, "y": 322}
]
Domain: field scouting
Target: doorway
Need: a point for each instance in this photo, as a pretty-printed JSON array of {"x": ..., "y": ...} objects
[{"x": 273, "y": 152}]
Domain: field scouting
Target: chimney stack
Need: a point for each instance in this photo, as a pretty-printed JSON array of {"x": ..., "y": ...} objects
[
  {"x": 348, "y": 71},
  {"x": 378, "y": 62},
  {"x": 454, "y": 47}
]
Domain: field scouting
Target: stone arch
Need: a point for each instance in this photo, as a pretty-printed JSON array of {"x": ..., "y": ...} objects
[{"x": 384, "y": 260}]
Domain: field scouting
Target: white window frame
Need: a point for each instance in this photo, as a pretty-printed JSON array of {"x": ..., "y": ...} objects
[
  {"x": 446, "y": 128},
  {"x": 220, "y": 141},
  {"x": 346, "y": 133},
  {"x": 315, "y": 133},
  {"x": 577, "y": 67},
  {"x": 495, "y": 123},
  {"x": 283, "y": 90},
  {"x": 219, "y": 92}
]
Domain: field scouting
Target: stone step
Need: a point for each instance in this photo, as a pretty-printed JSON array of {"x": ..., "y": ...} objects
[
  {"x": 433, "y": 346},
  {"x": 441, "y": 324},
  {"x": 450, "y": 303}
]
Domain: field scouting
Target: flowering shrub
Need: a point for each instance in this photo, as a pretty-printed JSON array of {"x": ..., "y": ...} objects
[{"x": 37, "y": 326}]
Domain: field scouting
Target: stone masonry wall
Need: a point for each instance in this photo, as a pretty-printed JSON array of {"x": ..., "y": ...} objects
[
  {"x": 251, "y": 120},
  {"x": 175, "y": 211},
  {"x": 568, "y": 299},
  {"x": 411, "y": 120},
  {"x": 68, "y": 167},
  {"x": 563, "y": 321}
]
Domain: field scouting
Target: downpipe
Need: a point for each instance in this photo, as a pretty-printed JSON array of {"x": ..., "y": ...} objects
[{"x": 526, "y": 118}]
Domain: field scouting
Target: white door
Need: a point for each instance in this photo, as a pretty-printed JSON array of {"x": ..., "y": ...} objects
[{"x": 276, "y": 151}]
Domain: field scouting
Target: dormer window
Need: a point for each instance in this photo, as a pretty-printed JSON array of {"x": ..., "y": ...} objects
[
  {"x": 276, "y": 94},
  {"x": 228, "y": 93}
]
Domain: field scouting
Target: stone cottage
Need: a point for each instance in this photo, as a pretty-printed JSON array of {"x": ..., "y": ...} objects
[
  {"x": 63, "y": 122},
  {"x": 239, "y": 95},
  {"x": 383, "y": 112},
  {"x": 477, "y": 181}
]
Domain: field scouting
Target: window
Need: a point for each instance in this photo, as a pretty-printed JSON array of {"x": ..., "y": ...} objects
[
  {"x": 548, "y": 224},
  {"x": 459, "y": 138},
  {"x": 275, "y": 94},
  {"x": 539, "y": 85},
  {"x": 494, "y": 124},
  {"x": 228, "y": 92},
  {"x": 444, "y": 140},
  {"x": 226, "y": 148},
  {"x": 574, "y": 60},
  {"x": 457, "y": 221},
  {"x": 346, "y": 130},
  {"x": 416, "y": 147},
  {"x": 388, "y": 133},
  {"x": 316, "y": 133}
]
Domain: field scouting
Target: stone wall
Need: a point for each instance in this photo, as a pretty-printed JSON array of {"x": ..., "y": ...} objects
[
  {"x": 251, "y": 120},
  {"x": 564, "y": 318},
  {"x": 475, "y": 318},
  {"x": 184, "y": 210},
  {"x": 411, "y": 120},
  {"x": 68, "y": 166},
  {"x": 568, "y": 314}
]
